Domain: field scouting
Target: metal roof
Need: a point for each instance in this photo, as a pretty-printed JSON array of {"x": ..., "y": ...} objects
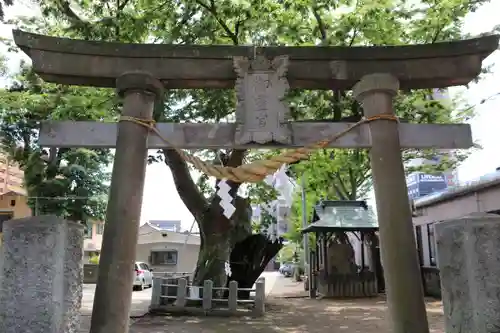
[
  {"x": 14, "y": 189},
  {"x": 342, "y": 215},
  {"x": 167, "y": 225},
  {"x": 488, "y": 180}
]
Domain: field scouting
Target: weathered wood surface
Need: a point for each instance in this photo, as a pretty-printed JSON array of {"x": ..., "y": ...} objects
[
  {"x": 81, "y": 62},
  {"x": 193, "y": 136}
]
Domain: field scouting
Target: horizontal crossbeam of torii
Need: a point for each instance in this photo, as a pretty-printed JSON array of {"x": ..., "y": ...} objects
[
  {"x": 261, "y": 77},
  {"x": 211, "y": 136},
  {"x": 179, "y": 66}
]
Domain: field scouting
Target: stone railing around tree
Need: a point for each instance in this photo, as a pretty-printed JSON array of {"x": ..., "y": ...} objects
[{"x": 177, "y": 295}]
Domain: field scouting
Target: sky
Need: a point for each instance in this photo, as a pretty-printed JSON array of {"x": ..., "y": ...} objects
[{"x": 161, "y": 201}]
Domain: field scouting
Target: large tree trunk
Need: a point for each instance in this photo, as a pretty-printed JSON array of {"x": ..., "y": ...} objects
[
  {"x": 218, "y": 237},
  {"x": 218, "y": 234},
  {"x": 214, "y": 253},
  {"x": 249, "y": 258}
]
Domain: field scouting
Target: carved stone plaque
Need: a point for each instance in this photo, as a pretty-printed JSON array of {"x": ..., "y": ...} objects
[{"x": 261, "y": 113}]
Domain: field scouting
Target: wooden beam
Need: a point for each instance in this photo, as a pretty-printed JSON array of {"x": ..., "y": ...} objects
[
  {"x": 80, "y": 62},
  {"x": 211, "y": 136}
]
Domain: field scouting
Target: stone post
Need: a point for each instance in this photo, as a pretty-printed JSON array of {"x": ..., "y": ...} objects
[
  {"x": 260, "y": 297},
  {"x": 113, "y": 295},
  {"x": 397, "y": 243},
  {"x": 41, "y": 288},
  {"x": 468, "y": 252}
]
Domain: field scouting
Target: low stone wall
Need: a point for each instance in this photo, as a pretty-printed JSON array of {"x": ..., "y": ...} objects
[
  {"x": 468, "y": 253},
  {"x": 41, "y": 287},
  {"x": 90, "y": 273}
]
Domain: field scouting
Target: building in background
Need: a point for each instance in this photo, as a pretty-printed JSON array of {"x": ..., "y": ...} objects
[
  {"x": 167, "y": 251},
  {"x": 280, "y": 210},
  {"x": 420, "y": 184},
  {"x": 13, "y": 196},
  {"x": 92, "y": 241},
  {"x": 166, "y": 225},
  {"x": 11, "y": 176}
]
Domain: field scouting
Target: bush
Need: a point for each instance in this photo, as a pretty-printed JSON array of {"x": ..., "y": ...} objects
[{"x": 94, "y": 260}]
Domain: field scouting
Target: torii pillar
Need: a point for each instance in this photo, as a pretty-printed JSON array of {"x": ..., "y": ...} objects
[
  {"x": 405, "y": 295},
  {"x": 113, "y": 294}
]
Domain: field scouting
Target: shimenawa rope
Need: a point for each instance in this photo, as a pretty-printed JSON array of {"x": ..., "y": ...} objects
[{"x": 257, "y": 170}]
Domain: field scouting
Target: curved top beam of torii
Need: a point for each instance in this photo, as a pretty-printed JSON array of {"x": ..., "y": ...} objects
[{"x": 80, "y": 62}]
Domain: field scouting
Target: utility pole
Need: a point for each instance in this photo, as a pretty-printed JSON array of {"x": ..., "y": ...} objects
[{"x": 305, "y": 239}]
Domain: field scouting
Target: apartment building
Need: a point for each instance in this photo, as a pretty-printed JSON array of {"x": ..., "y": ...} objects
[
  {"x": 420, "y": 184},
  {"x": 13, "y": 200},
  {"x": 11, "y": 176}
]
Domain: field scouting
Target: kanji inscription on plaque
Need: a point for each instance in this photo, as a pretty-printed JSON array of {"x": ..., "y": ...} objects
[{"x": 262, "y": 114}]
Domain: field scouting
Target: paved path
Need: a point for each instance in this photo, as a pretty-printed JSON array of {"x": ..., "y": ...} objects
[
  {"x": 140, "y": 305},
  {"x": 271, "y": 278},
  {"x": 142, "y": 299}
]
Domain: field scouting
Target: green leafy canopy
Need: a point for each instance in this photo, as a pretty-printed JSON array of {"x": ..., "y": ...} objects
[
  {"x": 330, "y": 173},
  {"x": 71, "y": 183}
]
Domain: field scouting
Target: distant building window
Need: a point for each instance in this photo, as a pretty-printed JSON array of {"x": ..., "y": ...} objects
[
  {"x": 418, "y": 235},
  {"x": 100, "y": 228},
  {"x": 168, "y": 257},
  {"x": 88, "y": 230},
  {"x": 432, "y": 244}
]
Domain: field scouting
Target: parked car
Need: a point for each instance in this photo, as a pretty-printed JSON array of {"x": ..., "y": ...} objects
[
  {"x": 286, "y": 270},
  {"x": 143, "y": 276}
]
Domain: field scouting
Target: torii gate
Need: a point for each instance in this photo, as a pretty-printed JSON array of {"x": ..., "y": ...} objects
[{"x": 262, "y": 76}]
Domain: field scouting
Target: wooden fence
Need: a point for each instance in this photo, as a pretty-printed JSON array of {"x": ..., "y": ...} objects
[
  {"x": 347, "y": 285},
  {"x": 176, "y": 295},
  {"x": 171, "y": 274}
]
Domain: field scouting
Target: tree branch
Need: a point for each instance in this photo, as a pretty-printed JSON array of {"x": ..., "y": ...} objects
[
  {"x": 123, "y": 4},
  {"x": 212, "y": 9},
  {"x": 352, "y": 181},
  {"x": 235, "y": 159},
  {"x": 186, "y": 187},
  {"x": 65, "y": 8},
  {"x": 340, "y": 194},
  {"x": 342, "y": 185},
  {"x": 337, "y": 108},
  {"x": 321, "y": 25},
  {"x": 354, "y": 35}
]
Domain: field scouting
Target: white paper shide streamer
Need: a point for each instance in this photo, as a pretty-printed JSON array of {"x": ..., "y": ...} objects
[
  {"x": 281, "y": 183},
  {"x": 226, "y": 201}
]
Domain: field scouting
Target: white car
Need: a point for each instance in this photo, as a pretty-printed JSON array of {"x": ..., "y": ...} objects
[{"x": 143, "y": 276}]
